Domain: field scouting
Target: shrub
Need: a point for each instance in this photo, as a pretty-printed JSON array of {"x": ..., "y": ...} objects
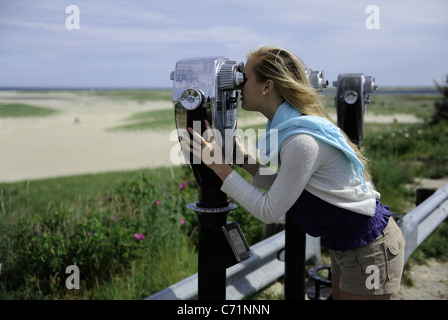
[{"x": 134, "y": 220}]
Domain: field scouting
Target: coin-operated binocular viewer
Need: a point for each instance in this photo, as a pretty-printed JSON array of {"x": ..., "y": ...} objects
[
  {"x": 207, "y": 89},
  {"x": 352, "y": 95}
]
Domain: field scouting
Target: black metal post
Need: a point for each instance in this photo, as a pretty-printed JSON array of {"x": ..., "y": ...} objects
[
  {"x": 423, "y": 193},
  {"x": 211, "y": 277},
  {"x": 295, "y": 246},
  {"x": 214, "y": 254}
]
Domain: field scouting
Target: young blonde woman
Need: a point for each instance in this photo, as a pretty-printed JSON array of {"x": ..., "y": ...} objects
[{"x": 322, "y": 181}]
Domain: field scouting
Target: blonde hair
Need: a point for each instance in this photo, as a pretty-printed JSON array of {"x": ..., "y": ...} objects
[{"x": 292, "y": 84}]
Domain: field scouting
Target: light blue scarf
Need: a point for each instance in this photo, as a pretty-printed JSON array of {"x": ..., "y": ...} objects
[{"x": 287, "y": 122}]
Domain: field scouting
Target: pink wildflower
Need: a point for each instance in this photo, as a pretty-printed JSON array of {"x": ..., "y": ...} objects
[
  {"x": 139, "y": 236},
  {"x": 158, "y": 202},
  {"x": 182, "y": 221},
  {"x": 183, "y": 185}
]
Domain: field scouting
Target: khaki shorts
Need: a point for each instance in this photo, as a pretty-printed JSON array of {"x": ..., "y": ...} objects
[{"x": 374, "y": 269}]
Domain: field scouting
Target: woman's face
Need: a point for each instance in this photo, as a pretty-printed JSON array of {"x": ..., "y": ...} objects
[{"x": 252, "y": 91}]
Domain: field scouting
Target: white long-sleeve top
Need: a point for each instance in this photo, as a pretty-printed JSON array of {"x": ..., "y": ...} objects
[{"x": 306, "y": 163}]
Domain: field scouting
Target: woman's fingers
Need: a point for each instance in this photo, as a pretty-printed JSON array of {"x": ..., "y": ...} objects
[
  {"x": 193, "y": 147},
  {"x": 197, "y": 137},
  {"x": 198, "y": 144},
  {"x": 208, "y": 151},
  {"x": 209, "y": 133}
]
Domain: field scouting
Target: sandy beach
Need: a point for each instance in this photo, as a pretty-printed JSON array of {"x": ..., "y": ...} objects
[{"x": 77, "y": 140}]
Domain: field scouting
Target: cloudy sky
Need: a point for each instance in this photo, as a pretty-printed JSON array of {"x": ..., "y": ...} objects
[{"x": 137, "y": 43}]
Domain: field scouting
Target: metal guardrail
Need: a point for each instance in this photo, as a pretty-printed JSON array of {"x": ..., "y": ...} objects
[
  {"x": 263, "y": 268},
  {"x": 266, "y": 265},
  {"x": 418, "y": 224}
]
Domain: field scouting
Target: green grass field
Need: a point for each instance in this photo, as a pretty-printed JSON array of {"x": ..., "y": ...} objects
[{"x": 17, "y": 110}]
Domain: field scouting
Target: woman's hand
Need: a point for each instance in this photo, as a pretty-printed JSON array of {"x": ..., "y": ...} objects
[
  {"x": 210, "y": 152},
  {"x": 240, "y": 154},
  {"x": 243, "y": 159}
]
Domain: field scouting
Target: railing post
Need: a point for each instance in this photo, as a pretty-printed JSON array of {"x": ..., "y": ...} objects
[
  {"x": 295, "y": 250},
  {"x": 422, "y": 194}
]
